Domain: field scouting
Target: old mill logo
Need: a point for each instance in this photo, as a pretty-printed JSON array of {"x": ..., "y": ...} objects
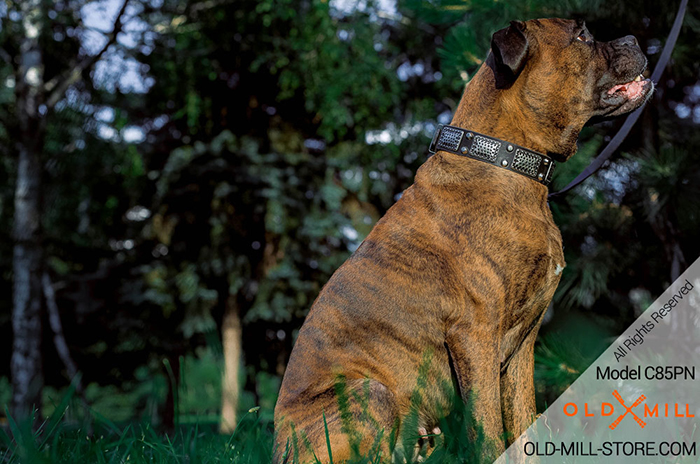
[
  {"x": 639, "y": 401},
  {"x": 608, "y": 409}
]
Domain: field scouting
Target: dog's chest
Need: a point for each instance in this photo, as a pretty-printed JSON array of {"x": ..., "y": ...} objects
[
  {"x": 533, "y": 260},
  {"x": 538, "y": 280},
  {"x": 530, "y": 288}
]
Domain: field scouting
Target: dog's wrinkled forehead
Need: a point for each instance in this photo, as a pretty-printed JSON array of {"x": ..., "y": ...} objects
[{"x": 554, "y": 31}]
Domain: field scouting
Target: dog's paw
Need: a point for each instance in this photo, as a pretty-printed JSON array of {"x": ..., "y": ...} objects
[{"x": 425, "y": 444}]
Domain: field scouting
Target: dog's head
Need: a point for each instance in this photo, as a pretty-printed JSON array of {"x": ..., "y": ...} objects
[{"x": 554, "y": 70}]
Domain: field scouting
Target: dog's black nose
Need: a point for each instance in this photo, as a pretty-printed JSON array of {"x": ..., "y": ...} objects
[{"x": 629, "y": 40}]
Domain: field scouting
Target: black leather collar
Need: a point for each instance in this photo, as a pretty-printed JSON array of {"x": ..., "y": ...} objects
[{"x": 528, "y": 163}]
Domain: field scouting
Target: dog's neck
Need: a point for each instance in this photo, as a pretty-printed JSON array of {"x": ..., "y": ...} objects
[{"x": 496, "y": 110}]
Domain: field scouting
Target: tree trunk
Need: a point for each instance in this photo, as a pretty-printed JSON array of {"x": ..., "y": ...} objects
[
  {"x": 27, "y": 377},
  {"x": 231, "y": 338},
  {"x": 26, "y": 369}
]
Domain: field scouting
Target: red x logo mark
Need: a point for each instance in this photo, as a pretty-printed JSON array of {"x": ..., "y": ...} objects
[{"x": 628, "y": 409}]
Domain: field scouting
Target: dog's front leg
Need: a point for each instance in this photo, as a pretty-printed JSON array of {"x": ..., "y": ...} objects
[
  {"x": 518, "y": 389},
  {"x": 474, "y": 352}
]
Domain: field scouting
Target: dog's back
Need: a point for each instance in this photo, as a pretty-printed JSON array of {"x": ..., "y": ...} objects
[{"x": 374, "y": 319}]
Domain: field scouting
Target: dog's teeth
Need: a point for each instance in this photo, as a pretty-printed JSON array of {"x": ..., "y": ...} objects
[{"x": 638, "y": 78}]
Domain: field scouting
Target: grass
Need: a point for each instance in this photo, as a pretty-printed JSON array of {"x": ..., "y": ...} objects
[
  {"x": 252, "y": 443},
  {"x": 104, "y": 442},
  {"x": 95, "y": 439}
]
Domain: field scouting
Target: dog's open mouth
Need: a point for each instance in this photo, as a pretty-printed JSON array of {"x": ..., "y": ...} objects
[
  {"x": 630, "y": 90},
  {"x": 626, "y": 97}
]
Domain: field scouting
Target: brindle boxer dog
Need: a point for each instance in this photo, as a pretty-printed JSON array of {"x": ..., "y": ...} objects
[{"x": 464, "y": 265}]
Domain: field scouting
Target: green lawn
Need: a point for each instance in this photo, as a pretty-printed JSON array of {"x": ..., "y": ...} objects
[
  {"x": 98, "y": 440},
  {"x": 61, "y": 442}
]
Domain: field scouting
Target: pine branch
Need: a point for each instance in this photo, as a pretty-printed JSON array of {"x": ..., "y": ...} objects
[{"x": 59, "y": 84}]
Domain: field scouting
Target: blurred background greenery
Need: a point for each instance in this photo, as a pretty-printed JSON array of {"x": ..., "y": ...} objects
[{"x": 198, "y": 177}]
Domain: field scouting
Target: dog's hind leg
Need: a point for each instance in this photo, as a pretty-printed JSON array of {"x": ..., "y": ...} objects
[{"x": 360, "y": 418}]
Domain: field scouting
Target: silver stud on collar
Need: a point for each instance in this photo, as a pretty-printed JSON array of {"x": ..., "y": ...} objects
[
  {"x": 540, "y": 176},
  {"x": 464, "y": 149},
  {"x": 504, "y": 163},
  {"x": 546, "y": 161},
  {"x": 509, "y": 147}
]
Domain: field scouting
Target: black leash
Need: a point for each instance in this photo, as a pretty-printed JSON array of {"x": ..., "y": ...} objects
[{"x": 615, "y": 143}]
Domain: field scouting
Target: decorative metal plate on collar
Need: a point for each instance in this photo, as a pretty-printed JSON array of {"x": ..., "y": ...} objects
[{"x": 506, "y": 155}]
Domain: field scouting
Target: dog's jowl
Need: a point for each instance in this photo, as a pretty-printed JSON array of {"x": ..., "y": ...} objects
[{"x": 452, "y": 283}]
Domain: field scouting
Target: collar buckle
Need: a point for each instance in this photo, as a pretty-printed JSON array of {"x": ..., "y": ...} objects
[{"x": 433, "y": 143}]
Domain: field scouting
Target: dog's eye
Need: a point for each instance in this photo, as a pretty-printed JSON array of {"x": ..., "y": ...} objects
[{"x": 584, "y": 36}]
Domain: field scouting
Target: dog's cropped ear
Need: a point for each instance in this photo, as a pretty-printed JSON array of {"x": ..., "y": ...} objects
[{"x": 510, "y": 49}]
